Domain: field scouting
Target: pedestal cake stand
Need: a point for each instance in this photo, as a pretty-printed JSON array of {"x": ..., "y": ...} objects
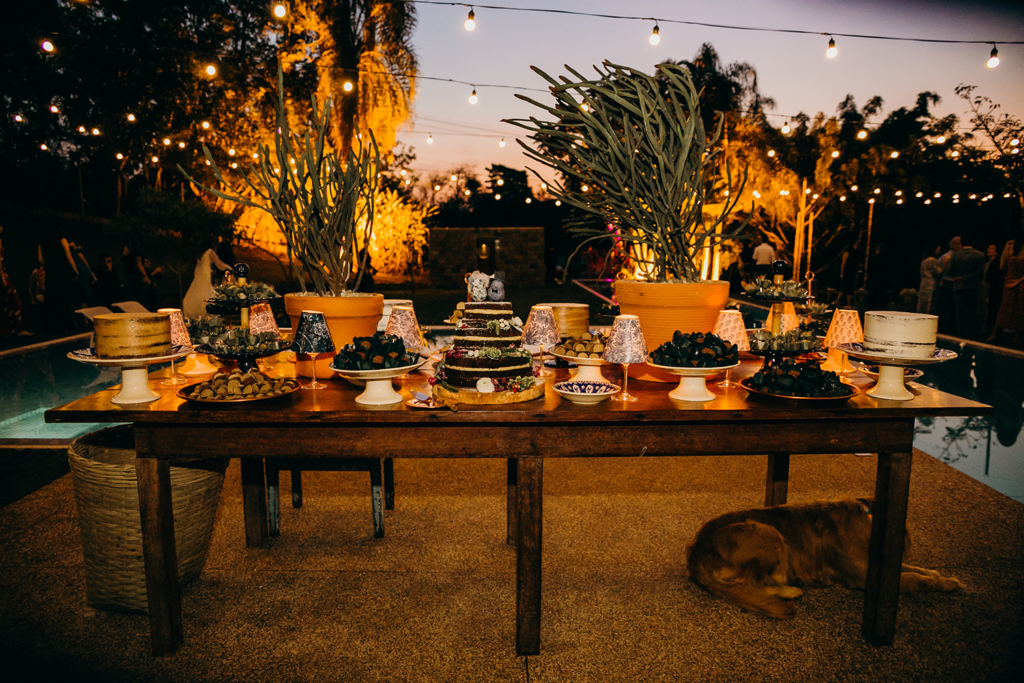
[
  {"x": 890, "y": 385},
  {"x": 589, "y": 368},
  {"x": 379, "y": 391},
  {"x": 134, "y": 372},
  {"x": 692, "y": 381}
]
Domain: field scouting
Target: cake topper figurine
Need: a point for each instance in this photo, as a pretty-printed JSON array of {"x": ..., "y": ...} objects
[
  {"x": 496, "y": 292},
  {"x": 484, "y": 287}
]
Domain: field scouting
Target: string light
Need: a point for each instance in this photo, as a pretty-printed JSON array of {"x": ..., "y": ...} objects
[
  {"x": 894, "y": 155},
  {"x": 993, "y": 60},
  {"x": 47, "y": 46},
  {"x": 862, "y": 134},
  {"x": 938, "y": 194},
  {"x": 771, "y": 152},
  {"x": 256, "y": 156},
  {"x": 234, "y": 164},
  {"x": 470, "y": 20},
  {"x": 585, "y": 188},
  {"x": 585, "y": 107},
  {"x": 655, "y": 38},
  {"x": 940, "y": 139},
  {"x": 347, "y": 87},
  {"x": 501, "y": 143},
  {"x": 167, "y": 141},
  {"x": 156, "y": 159},
  {"x": 472, "y": 98},
  {"x": 853, "y": 188},
  {"x": 466, "y": 192},
  {"x": 974, "y": 196},
  {"x": 120, "y": 156},
  {"x": 831, "y": 51},
  {"x": 807, "y": 191},
  {"x": 54, "y": 109},
  {"x": 81, "y": 129},
  {"x": 501, "y": 181},
  {"x": 871, "y": 201},
  {"x": 927, "y": 201},
  {"x": 899, "y": 193},
  {"x": 497, "y": 197},
  {"x": 181, "y": 145},
  {"x": 842, "y": 198},
  {"x": 1015, "y": 142},
  {"x": 280, "y": 11},
  {"x": 785, "y": 129},
  {"x": 43, "y": 147},
  {"x": 206, "y": 125},
  {"x": 211, "y": 70},
  {"x": 231, "y": 152},
  {"x": 558, "y": 202},
  {"x": 954, "y": 154},
  {"x": 835, "y": 155},
  {"x": 18, "y": 118},
  {"x": 430, "y": 139},
  {"x": 529, "y": 201},
  {"x": 919, "y": 194},
  {"x": 436, "y": 188},
  {"x": 899, "y": 201},
  {"x": 878, "y": 191},
  {"x": 95, "y": 131}
]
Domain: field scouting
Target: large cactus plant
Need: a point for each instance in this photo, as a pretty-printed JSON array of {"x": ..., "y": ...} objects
[
  {"x": 631, "y": 148},
  {"x": 319, "y": 203}
]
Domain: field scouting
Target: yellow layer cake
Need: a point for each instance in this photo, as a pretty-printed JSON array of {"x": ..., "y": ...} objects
[{"x": 132, "y": 335}]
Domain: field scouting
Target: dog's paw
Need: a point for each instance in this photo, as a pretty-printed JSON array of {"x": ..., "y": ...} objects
[
  {"x": 950, "y": 584},
  {"x": 789, "y": 592}
]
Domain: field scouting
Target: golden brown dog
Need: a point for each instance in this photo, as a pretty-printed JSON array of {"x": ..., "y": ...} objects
[{"x": 753, "y": 558}]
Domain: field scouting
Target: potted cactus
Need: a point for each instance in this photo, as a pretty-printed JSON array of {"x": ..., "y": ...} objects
[
  {"x": 324, "y": 208},
  {"x": 631, "y": 151}
]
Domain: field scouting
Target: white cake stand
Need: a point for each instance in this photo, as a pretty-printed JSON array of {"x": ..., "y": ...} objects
[
  {"x": 891, "y": 382},
  {"x": 589, "y": 368},
  {"x": 379, "y": 391},
  {"x": 134, "y": 372},
  {"x": 692, "y": 381}
]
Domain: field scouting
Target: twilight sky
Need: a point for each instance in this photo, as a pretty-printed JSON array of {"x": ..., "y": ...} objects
[{"x": 791, "y": 68}]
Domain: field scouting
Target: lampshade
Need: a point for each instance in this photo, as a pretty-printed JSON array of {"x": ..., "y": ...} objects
[
  {"x": 312, "y": 335},
  {"x": 402, "y": 323},
  {"x": 382, "y": 324},
  {"x": 540, "y": 327},
  {"x": 730, "y": 327},
  {"x": 845, "y": 328},
  {"x": 179, "y": 333},
  {"x": 261, "y": 319},
  {"x": 626, "y": 342},
  {"x": 790, "y": 319}
]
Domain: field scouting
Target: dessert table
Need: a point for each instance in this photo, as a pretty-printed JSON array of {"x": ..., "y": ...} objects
[{"x": 328, "y": 423}]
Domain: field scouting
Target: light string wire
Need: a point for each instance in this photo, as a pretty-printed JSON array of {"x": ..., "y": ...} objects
[{"x": 730, "y": 27}]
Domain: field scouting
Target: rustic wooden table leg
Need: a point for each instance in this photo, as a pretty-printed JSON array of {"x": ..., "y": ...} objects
[
  {"x": 885, "y": 551},
  {"x": 254, "y": 501},
  {"x": 296, "y": 488},
  {"x": 511, "y": 504},
  {"x": 376, "y": 499},
  {"x": 389, "y": 484},
  {"x": 160, "y": 555},
  {"x": 273, "y": 497},
  {"x": 777, "y": 482},
  {"x": 530, "y": 499}
]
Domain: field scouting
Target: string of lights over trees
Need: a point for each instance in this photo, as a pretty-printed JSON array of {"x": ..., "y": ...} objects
[{"x": 111, "y": 95}]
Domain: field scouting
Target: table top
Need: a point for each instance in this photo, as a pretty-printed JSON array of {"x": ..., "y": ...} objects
[{"x": 336, "y": 404}]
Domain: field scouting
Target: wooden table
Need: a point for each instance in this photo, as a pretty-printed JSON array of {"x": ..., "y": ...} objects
[{"x": 329, "y": 424}]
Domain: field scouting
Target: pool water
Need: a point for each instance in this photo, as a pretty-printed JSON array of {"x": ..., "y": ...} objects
[{"x": 989, "y": 449}]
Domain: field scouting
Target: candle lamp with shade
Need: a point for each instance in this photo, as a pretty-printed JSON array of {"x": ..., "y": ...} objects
[
  {"x": 313, "y": 338},
  {"x": 402, "y": 323},
  {"x": 540, "y": 330},
  {"x": 261, "y": 319},
  {"x": 845, "y": 329},
  {"x": 626, "y": 346},
  {"x": 179, "y": 337},
  {"x": 730, "y": 327}
]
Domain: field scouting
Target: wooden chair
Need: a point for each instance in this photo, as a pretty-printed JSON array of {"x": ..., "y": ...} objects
[
  {"x": 92, "y": 312},
  {"x": 131, "y": 307},
  {"x": 274, "y": 466}
]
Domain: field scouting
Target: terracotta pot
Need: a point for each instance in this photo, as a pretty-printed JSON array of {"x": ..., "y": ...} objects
[
  {"x": 354, "y": 315},
  {"x": 664, "y": 307}
]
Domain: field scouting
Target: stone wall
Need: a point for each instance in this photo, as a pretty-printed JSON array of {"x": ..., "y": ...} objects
[{"x": 519, "y": 252}]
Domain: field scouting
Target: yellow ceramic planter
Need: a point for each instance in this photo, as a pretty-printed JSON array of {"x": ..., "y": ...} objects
[{"x": 348, "y": 316}]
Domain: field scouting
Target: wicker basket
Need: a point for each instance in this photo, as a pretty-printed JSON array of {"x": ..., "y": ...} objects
[{"x": 107, "y": 495}]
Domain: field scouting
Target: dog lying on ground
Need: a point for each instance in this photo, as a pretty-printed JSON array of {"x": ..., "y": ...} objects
[{"x": 753, "y": 558}]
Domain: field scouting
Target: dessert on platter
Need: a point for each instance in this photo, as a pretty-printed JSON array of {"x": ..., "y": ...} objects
[
  {"x": 900, "y": 335},
  {"x": 233, "y": 387},
  {"x": 696, "y": 350},
  {"x": 132, "y": 335},
  {"x": 487, "y": 362},
  {"x": 587, "y": 345},
  {"x": 798, "y": 380}
]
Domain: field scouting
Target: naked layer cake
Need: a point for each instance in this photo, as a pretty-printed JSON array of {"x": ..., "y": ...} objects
[
  {"x": 132, "y": 335},
  {"x": 900, "y": 335},
  {"x": 488, "y": 344}
]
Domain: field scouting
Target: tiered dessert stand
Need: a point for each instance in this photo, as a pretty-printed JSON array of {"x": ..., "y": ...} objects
[
  {"x": 245, "y": 361},
  {"x": 134, "y": 372},
  {"x": 692, "y": 381},
  {"x": 378, "y": 391},
  {"x": 891, "y": 384}
]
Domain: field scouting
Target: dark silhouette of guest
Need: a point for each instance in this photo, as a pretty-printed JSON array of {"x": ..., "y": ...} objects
[
  {"x": 107, "y": 288},
  {"x": 61, "y": 286}
]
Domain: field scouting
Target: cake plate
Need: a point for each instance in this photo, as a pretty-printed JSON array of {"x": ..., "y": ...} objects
[
  {"x": 693, "y": 381},
  {"x": 590, "y": 368},
  {"x": 891, "y": 381},
  {"x": 134, "y": 372},
  {"x": 379, "y": 391}
]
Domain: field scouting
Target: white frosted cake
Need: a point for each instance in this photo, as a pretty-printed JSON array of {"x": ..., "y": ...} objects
[{"x": 900, "y": 335}]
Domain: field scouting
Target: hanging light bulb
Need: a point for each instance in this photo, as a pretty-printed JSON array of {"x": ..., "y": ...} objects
[
  {"x": 470, "y": 20},
  {"x": 862, "y": 134},
  {"x": 231, "y": 152},
  {"x": 120, "y": 156},
  {"x": 211, "y": 70},
  {"x": 167, "y": 141},
  {"x": 206, "y": 125},
  {"x": 436, "y": 188},
  {"x": 81, "y": 129},
  {"x": 529, "y": 201},
  {"x": 940, "y": 139},
  {"x": 156, "y": 159},
  {"x": 347, "y": 87},
  {"x": 18, "y": 118},
  {"x": 501, "y": 143},
  {"x": 771, "y": 152},
  {"x": 785, "y": 128},
  {"x": 919, "y": 194},
  {"x": 894, "y": 155},
  {"x": 54, "y": 109},
  {"x": 853, "y": 188},
  {"x": 181, "y": 145},
  {"x": 954, "y": 154},
  {"x": 472, "y": 97},
  {"x": 842, "y": 198},
  {"x": 501, "y": 181},
  {"x": 47, "y": 46},
  {"x": 558, "y": 202},
  {"x": 280, "y": 10},
  {"x": 655, "y": 38},
  {"x": 993, "y": 60},
  {"x": 835, "y": 155},
  {"x": 430, "y": 139},
  {"x": 95, "y": 131},
  {"x": 831, "y": 51},
  {"x": 43, "y": 147},
  {"x": 497, "y": 197},
  {"x": 1015, "y": 142}
]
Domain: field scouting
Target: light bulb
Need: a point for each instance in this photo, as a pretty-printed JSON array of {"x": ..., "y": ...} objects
[
  {"x": 558, "y": 202},
  {"x": 785, "y": 128},
  {"x": 585, "y": 107},
  {"x": 831, "y": 51},
  {"x": 899, "y": 201},
  {"x": 894, "y": 155},
  {"x": 899, "y": 193},
  {"x": 1006, "y": 196},
  {"x": 993, "y": 60},
  {"x": 54, "y": 109},
  {"x": 529, "y": 201},
  {"x": 771, "y": 152},
  {"x": 472, "y": 98},
  {"x": 1015, "y": 142},
  {"x": 871, "y": 201},
  {"x": 835, "y": 155},
  {"x": 853, "y": 188},
  {"x": 256, "y": 157},
  {"x": 938, "y": 194},
  {"x": 95, "y": 131},
  {"x": 436, "y": 188},
  {"x": 47, "y": 46},
  {"x": 842, "y": 198},
  {"x": 131, "y": 117},
  {"x": 862, "y": 134},
  {"x": 1015, "y": 150},
  {"x": 940, "y": 139},
  {"x": 402, "y": 172},
  {"x": 234, "y": 164},
  {"x": 470, "y": 21},
  {"x": 18, "y": 118},
  {"x": 231, "y": 152},
  {"x": 347, "y": 87},
  {"x": 156, "y": 159},
  {"x": 120, "y": 156},
  {"x": 927, "y": 201},
  {"x": 501, "y": 181},
  {"x": 956, "y": 196},
  {"x": 814, "y": 196},
  {"x": 167, "y": 141},
  {"x": 807, "y": 191},
  {"x": 543, "y": 186},
  {"x": 466, "y": 192},
  {"x": 585, "y": 188},
  {"x": 43, "y": 147},
  {"x": 878, "y": 191},
  {"x": 81, "y": 129},
  {"x": 280, "y": 11},
  {"x": 454, "y": 177},
  {"x": 954, "y": 154},
  {"x": 497, "y": 196},
  {"x": 655, "y": 38},
  {"x": 430, "y": 139},
  {"x": 919, "y": 194},
  {"x": 206, "y": 125},
  {"x": 211, "y": 70},
  {"x": 501, "y": 143},
  {"x": 974, "y": 196},
  {"x": 181, "y": 145}
]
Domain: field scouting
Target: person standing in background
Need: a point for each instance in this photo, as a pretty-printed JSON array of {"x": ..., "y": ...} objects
[
  {"x": 966, "y": 270},
  {"x": 764, "y": 257},
  {"x": 930, "y": 274},
  {"x": 947, "y": 307},
  {"x": 61, "y": 274},
  {"x": 106, "y": 289},
  {"x": 10, "y": 303},
  {"x": 992, "y": 288},
  {"x": 1011, "y": 308}
]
